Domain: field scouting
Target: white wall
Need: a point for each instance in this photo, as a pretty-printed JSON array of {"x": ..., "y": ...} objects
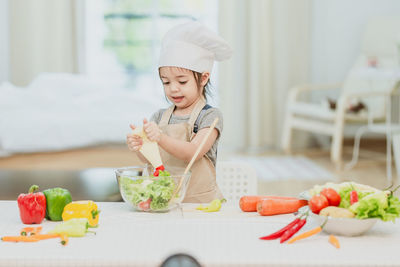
[
  {"x": 4, "y": 40},
  {"x": 336, "y": 33},
  {"x": 337, "y": 27}
]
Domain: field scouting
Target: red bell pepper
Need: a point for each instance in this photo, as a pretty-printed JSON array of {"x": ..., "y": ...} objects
[
  {"x": 32, "y": 206},
  {"x": 158, "y": 169}
]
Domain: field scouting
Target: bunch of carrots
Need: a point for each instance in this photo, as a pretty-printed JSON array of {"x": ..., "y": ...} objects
[
  {"x": 274, "y": 205},
  {"x": 271, "y": 205},
  {"x": 33, "y": 234}
]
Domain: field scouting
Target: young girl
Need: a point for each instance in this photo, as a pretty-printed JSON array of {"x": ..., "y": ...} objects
[{"x": 187, "y": 56}]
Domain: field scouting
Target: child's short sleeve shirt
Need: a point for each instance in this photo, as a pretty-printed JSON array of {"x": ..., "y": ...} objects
[{"x": 204, "y": 120}]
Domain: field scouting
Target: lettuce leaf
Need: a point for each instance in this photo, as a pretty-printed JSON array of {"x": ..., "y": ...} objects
[
  {"x": 377, "y": 205},
  {"x": 393, "y": 209}
]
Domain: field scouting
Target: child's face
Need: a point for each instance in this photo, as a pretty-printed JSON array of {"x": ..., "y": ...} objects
[{"x": 180, "y": 86}]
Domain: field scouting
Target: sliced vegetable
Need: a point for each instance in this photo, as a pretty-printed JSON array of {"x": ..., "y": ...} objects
[
  {"x": 158, "y": 170},
  {"x": 31, "y": 230},
  {"x": 334, "y": 241},
  {"x": 19, "y": 238},
  {"x": 214, "y": 205},
  {"x": 76, "y": 227},
  {"x": 64, "y": 239},
  {"x": 273, "y": 206},
  {"x": 46, "y": 236},
  {"x": 145, "y": 205}
]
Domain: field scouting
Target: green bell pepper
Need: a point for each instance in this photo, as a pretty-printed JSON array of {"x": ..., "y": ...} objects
[{"x": 56, "y": 199}]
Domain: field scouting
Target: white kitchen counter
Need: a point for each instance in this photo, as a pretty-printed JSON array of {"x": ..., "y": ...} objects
[{"x": 225, "y": 238}]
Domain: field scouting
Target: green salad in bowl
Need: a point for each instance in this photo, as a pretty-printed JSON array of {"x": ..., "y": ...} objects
[{"x": 146, "y": 192}]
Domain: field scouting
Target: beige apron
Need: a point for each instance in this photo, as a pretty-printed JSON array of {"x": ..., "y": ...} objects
[{"x": 202, "y": 185}]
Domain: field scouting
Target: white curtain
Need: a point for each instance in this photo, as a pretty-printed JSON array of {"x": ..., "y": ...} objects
[
  {"x": 42, "y": 38},
  {"x": 271, "y": 42},
  {"x": 4, "y": 46}
]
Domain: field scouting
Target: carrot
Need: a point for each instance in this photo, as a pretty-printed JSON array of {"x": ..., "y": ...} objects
[
  {"x": 314, "y": 231},
  {"x": 19, "y": 238},
  {"x": 31, "y": 230},
  {"x": 274, "y": 206},
  {"x": 249, "y": 203},
  {"x": 64, "y": 239},
  {"x": 46, "y": 236},
  {"x": 334, "y": 241}
]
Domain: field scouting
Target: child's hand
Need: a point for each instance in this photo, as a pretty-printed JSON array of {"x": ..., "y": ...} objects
[
  {"x": 152, "y": 130},
  {"x": 133, "y": 141}
]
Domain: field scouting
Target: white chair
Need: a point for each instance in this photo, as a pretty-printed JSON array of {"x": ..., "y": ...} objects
[
  {"x": 389, "y": 129},
  {"x": 379, "y": 45},
  {"x": 236, "y": 179}
]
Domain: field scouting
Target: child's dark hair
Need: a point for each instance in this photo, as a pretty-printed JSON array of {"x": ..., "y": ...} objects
[{"x": 197, "y": 77}]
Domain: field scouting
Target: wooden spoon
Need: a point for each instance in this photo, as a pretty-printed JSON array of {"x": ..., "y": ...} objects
[{"x": 195, "y": 155}]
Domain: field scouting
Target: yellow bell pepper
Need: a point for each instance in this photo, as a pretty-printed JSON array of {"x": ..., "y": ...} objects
[
  {"x": 214, "y": 205},
  {"x": 82, "y": 209}
]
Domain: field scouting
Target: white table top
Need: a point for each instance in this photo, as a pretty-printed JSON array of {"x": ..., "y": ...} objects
[{"x": 225, "y": 238}]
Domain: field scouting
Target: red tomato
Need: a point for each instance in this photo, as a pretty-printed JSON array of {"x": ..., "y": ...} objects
[
  {"x": 332, "y": 196},
  {"x": 145, "y": 205},
  {"x": 317, "y": 203}
]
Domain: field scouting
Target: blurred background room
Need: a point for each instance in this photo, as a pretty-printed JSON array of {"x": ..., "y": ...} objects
[{"x": 309, "y": 79}]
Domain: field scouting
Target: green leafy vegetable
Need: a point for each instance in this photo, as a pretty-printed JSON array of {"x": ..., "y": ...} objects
[{"x": 377, "y": 205}]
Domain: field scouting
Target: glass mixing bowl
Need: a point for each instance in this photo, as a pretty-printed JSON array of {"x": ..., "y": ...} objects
[{"x": 145, "y": 192}]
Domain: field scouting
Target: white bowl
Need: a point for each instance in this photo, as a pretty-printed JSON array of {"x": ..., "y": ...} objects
[
  {"x": 339, "y": 226},
  {"x": 344, "y": 226}
]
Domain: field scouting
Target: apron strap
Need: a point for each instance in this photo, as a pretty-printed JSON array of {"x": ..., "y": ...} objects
[
  {"x": 166, "y": 116},
  {"x": 195, "y": 114},
  {"x": 196, "y": 111}
]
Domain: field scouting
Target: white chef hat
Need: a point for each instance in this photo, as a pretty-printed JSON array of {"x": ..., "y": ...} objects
[{"x": 193, "y": 46}]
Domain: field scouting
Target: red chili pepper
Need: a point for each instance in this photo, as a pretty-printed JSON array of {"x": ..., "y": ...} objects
[
  {"x": 32, "y": 206},
  {"x": 294, "y": 229},
  {"x": 353, "y": 197},
  {"x": 280, "y": 232}
]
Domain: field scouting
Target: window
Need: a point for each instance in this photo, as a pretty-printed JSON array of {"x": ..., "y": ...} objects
[{"x": 123, "y": 37}]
